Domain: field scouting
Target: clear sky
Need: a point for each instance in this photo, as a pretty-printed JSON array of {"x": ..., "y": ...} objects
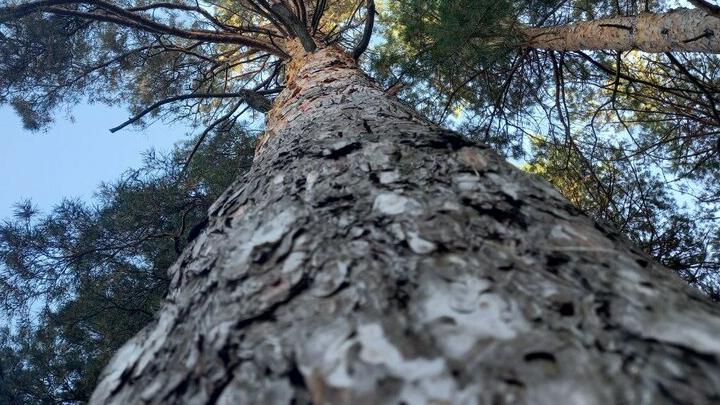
[{"x": 71, "y": 158}]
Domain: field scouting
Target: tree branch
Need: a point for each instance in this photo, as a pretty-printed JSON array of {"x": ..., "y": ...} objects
[
  {"x": 124, "y": 17},
  {"x": 367, "y": 32},
  {"x": 207, "y": 131},
  {"x": 317, "y": 14},
  {"x": 697, "y": 83},
  {"x": 184, "y": 7},
  {"x": 254, "y": 100},
  {"x": 293, "y": 23},
  {"x": 303, "y": 11},
  {"x": 675, "y": 91},
  {"x": 706, "y": 6}
]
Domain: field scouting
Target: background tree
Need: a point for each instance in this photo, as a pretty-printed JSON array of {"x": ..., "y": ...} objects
[
  {"x": 88, "y": 277},
  {"x": 636, "y": 203}
]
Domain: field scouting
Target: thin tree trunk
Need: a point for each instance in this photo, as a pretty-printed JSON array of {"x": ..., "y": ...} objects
[
  {"x": 680, "y": 30},
  {"x": 372, "y": 257}
]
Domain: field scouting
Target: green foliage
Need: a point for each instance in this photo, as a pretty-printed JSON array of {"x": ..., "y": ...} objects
[
  {"x": 82, "y": 280},
  {"x": 39, "y": 52},
  {"x": 455, "y": 30},
  {"x": 431, "y": 45},
  {"x": 634, "y": 201},
  {"x": 56, "y": 61}
]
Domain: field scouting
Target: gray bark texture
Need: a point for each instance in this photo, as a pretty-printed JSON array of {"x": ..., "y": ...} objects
[{"x": 372, "y": 257}]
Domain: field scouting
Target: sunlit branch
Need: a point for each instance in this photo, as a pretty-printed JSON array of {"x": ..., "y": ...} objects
[{"x": 292, "y": 22}]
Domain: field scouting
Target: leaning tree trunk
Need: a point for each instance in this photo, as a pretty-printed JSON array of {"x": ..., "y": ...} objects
[
  {"x": 680, "y": 30},
  {"x": 372, "y": 257}
]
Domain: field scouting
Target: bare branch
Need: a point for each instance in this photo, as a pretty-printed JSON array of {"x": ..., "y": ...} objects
[
  {"x": 121, "y": 16},
  {"x": 293, "y": 23},
  {"x": 706, "y": 6},
  {"x": 207, "y": 131},
  {"x": 317, "y": 15},
  {"x": 601, "y": 66},
  {"x": 184, "y": 7},
  {"x": 303, "y": 11},
  {"x": 697, "y": 83},
  {"x": 254, "y": 99},
  {"x": 367, "y": 32}
]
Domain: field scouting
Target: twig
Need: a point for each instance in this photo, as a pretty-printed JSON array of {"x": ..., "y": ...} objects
[
  {"x": 207, "y": 131},
  {"x": 254, "y": 100}
]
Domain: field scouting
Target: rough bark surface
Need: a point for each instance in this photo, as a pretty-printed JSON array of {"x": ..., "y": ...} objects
[
  {"x": 681, "y": 30},
  {"x": 371, "y": 257}
]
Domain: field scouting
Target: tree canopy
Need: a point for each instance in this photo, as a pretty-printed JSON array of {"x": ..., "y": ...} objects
[{"x": 200, "y": 62}]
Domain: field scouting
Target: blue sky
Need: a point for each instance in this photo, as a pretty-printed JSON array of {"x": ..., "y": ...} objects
[{"x": 72, "y": 158}]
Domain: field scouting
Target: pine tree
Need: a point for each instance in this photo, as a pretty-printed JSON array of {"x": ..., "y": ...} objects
[
  {"x": 81, "y": 280},
  {"x": 372, "y": 256}
]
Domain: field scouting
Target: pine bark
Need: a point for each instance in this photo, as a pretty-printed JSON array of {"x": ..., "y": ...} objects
[
  {"x": 372, "y": 257},
  {"x": 681, "y": 30}
]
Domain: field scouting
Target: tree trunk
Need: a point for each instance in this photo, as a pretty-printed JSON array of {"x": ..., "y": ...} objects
[
  {"x": 372, "y": 257},
  {"x": 680, "y": 30}
]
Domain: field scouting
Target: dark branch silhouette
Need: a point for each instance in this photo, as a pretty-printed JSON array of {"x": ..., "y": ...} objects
[{"x": 254, "y": 99}]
